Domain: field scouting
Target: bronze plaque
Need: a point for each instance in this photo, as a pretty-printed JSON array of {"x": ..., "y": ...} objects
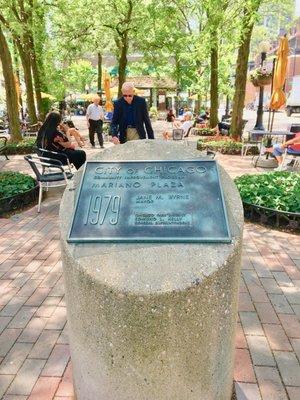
[{"x": 150, "y": 201}]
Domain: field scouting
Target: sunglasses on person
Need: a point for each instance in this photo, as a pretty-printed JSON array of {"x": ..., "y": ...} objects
[{"x": 127, "y": 95}]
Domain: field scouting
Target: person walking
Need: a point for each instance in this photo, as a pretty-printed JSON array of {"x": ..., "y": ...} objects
[
  {"x": 130, "y": 120},
  {"x": 95, "y": 117}
]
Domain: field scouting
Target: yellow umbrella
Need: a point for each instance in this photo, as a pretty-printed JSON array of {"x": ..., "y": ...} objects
[
  {"x": 114, "y": 91},
  {"x": 89, "y": 96},
  {"x": 278, "y": 96},
  {"x": 47, "y": 96},
  {"x": 108, "y": 104},
  {"x": 18, "y": 87}
]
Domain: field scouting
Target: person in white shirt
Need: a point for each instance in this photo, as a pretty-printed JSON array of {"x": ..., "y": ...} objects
[
  {"x": 186, "y": 125},
  {"x": 95, "y": 117}
]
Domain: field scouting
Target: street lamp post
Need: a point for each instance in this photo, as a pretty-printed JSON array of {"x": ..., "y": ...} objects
[{"x": 264, "y": 47}]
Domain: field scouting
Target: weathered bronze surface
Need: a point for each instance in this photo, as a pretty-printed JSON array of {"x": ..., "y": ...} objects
[{"x": 150, "y": 201}]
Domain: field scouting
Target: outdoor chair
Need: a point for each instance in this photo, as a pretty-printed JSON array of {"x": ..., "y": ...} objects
[
  {"x": 31, "y": 130},
  {"x": 177, "y": 134},
  {"x": 252, "y": 140},
  {"x": 50, "y": 174},
  {"x": 3, "y": 146},
  {"x": 52, "y": 156},
  {"x": 287, "y": 157},
  {"x": 294, "y": 160},
  {"x": 188, "y": 132}
]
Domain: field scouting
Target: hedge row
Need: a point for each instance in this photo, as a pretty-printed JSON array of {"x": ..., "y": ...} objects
[
  {"x": 27, "y": 146},
  {"x": 224, "y": 147}
]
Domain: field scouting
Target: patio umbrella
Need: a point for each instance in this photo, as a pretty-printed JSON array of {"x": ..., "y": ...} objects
[
  {"x": 278, "y": 98},
  {"x": 89, "y": 96},
  {"x": 108, "y": 104},
  {"x": 47, "y": 96},
  {"x": 18, "y": 88}
]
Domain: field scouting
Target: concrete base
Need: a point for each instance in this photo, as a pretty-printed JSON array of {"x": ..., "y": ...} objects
[{"x": 153, "y": 321}]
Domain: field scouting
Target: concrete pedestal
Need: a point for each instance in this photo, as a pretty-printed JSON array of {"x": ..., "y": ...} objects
[{"x": 153, "y": 321}]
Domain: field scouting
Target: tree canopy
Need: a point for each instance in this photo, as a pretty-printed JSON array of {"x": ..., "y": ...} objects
[{"x": 58, "y": 46}]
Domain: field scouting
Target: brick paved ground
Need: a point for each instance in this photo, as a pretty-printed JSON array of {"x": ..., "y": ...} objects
[{"x": 34, "y": 353}]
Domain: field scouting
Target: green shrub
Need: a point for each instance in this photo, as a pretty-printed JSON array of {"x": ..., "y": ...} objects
[
  {"x": 12, "y": 183},
  {"x": 27, "y": 146},
  {"x": 276, "y": 190},
  {"x": 205, "y": 132},
  {"x": 224, "y": 146}
]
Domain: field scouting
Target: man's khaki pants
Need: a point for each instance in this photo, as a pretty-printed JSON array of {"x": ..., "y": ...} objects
[{"x": 132, "y": 134}]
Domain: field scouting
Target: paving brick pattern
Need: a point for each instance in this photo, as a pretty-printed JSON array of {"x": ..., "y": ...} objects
[{"x": 34, "y": 353}]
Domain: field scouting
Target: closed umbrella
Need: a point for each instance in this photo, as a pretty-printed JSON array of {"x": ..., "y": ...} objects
[
  {"x": 47, "y": 96},
  {"x": 278, "y": 98},
  {"x": 108, "y": 104}
]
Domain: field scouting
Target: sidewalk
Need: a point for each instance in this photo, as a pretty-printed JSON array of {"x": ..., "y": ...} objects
[{"x": 34, "y": 353}]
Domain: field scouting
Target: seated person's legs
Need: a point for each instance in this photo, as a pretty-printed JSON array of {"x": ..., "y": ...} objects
[
  {"x": 78, "y": 137},
  {"x": 76, "y": 157},
  {"x": 166, "y": 135},
  {"x": 277, "y": 151}
]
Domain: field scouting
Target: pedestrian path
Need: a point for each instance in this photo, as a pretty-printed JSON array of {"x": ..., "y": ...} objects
[{"x": 34, "y": 352}]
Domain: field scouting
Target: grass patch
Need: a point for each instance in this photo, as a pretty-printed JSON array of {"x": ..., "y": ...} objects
[{"x": 277, "y": 190}]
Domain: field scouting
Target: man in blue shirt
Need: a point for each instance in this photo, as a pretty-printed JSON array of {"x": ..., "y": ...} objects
[{"x": 130, "y": 119}]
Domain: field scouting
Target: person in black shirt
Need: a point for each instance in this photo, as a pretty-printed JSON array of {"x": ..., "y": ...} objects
[
  {"x": 170, "y": 115},
  {"x": 51, "y": 138},
  {"x": 205, "y": 116},
  {"x": 130, "y": 119}
]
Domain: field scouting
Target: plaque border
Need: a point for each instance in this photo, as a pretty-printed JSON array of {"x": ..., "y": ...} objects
[{"x": 145, "y": 239}]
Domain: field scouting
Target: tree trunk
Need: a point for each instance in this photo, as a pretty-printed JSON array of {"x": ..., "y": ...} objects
[
  {"x": 122, "y": 62},
  {"x": 36, "y": 78},
  {"x": 178, "y": 81},
  {"x": 214, "y": 85},
  {"x": 240, "y": 88},
  {"x": 25, "y": 59},
  {"x": 99, "y": 72},
  {"x": 236, "y": 127},
  {"x": 39, "y": 36},
  {"x": 10, "y": 89},
  {"x": 198, "y": 103},
  {"x": 16, "y": 61}
]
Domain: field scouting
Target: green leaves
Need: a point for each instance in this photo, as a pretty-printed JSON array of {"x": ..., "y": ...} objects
[
  {"x": 79, "y": 74},
  {"x": 224, "y": 147},
  {"x": 205, "y": 132},
  {"x": 26, "y": 146},
  {"x": 13, "y": 183},
  {"x": 276, "y": 190}
]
